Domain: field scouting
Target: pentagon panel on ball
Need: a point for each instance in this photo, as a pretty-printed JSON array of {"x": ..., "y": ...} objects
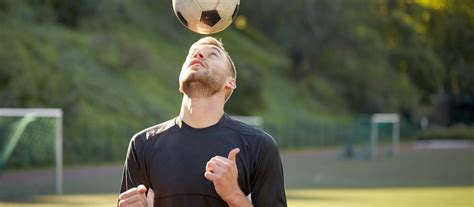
[{"x": 206, "y": 16}]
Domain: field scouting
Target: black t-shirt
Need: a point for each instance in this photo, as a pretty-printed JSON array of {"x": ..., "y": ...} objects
[{"x": 171, "y": 159}]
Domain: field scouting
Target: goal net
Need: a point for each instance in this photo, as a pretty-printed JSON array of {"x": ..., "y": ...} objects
[
  {"x": 30, "y": 152},
  {"x": 376, "y": 120},
  {"x": 376, "y": 135}
]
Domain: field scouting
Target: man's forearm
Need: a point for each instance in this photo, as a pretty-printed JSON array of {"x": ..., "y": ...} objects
[{"x": 239, "y": 200}]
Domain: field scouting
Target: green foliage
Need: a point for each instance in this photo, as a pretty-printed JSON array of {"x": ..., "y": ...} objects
[
  {"x": 382, "y": 56},
  {"x": 113, "y": 70},
  {"x": 456, "y": 132},
  {"x": 50, "y": 73},
  {"x": 112, "y": 66}
]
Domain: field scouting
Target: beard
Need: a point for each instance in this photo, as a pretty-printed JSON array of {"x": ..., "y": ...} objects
[{"x": 201, "y": 84}]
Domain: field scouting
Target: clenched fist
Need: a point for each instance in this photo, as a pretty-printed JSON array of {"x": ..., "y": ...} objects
[{"x": 136, "y": 197}]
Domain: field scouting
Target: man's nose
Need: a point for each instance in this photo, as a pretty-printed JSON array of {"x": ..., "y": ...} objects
[{"x": 198, "y": 54}]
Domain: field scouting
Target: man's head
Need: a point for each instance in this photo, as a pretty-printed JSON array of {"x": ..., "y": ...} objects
[{"x": 208, "y": 69}]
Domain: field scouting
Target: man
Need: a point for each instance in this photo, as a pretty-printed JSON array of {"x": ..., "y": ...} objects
[{"x": 203, "y": 157}]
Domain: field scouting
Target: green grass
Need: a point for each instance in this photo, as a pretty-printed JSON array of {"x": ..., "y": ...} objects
[{"x": 387, "y": 197}]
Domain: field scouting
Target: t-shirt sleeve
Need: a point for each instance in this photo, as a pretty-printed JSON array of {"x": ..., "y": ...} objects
[
  {"x": 267, "y": 188},
  {"x": 134, "y": 169}
]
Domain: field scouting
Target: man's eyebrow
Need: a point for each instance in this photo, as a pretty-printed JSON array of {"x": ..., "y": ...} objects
[
  {"x": 210, "y": 46},
  {"x": 215, "y": 48}
]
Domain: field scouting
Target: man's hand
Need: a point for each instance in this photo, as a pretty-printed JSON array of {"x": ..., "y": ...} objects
[
  {"x": 135, "y": 197},
  {"x": 223, "y": 173}
]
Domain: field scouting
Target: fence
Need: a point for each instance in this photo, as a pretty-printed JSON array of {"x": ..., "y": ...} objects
[{"x": 355, "y": 132}]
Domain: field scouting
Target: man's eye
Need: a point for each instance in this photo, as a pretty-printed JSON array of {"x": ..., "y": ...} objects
[{"x": 212, "y": 55}]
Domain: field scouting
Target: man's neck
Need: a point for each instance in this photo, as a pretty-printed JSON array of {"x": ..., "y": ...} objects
[{"x": 201, "y": 112}]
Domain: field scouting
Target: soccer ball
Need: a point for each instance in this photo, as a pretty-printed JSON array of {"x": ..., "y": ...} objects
[{"x": 206, "y": 16}]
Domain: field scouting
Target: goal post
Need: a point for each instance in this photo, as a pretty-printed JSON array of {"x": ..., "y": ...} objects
[
  {"x": 28, "y": 115},
  {"x": 377, "y": 119}
]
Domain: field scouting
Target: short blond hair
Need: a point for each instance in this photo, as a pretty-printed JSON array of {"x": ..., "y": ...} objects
[{"x": 208, "y": 40}]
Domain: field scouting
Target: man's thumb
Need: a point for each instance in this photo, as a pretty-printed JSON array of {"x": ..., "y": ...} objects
[
  {"x": 141, "y": 189},
  {"x": 233, "y": 154}
]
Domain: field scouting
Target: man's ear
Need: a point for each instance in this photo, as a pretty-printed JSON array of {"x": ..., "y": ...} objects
[{"x": 231, "y": 83}]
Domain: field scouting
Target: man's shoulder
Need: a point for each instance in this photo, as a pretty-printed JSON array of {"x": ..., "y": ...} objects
[
  {"x": 248, "y": 131},
  {"x": 155, "y": 130}
]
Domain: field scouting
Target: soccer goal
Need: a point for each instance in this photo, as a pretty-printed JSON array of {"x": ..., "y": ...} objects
[
  {"x": 377, "y": 119},
  {"x": 31, "y": 138}
]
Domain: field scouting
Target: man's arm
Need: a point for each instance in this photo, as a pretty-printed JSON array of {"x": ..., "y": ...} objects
[
  {"x": 267, "y": 183},
  {"x": 134, "y": 181}
]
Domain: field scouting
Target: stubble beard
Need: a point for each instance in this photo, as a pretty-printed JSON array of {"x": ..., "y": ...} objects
[{"x": 201, "y": 85}]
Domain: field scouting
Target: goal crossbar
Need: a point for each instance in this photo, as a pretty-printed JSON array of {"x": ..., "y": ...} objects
[{"x": 39, "y": 112}]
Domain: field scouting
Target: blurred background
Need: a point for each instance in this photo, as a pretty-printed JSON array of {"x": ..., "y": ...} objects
[{"x": 313, "y": 71}]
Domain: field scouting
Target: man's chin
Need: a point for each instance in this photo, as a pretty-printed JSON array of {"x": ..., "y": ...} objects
[{"x": 198, "y": 89}]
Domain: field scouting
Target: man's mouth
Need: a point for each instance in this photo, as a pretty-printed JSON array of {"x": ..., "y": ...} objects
[{"x": 196, "y": 62}]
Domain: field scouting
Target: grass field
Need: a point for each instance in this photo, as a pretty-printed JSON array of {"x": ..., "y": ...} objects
[
  {"x": 387, "y": 197},
  {"x": 417, "y": 177}
]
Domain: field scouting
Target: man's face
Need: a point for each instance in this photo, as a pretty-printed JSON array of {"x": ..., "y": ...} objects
[{"x": 204, "y": 72}]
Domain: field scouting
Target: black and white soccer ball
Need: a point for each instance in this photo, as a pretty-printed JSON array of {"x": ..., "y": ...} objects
[{"x": 206, "y": 16}]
